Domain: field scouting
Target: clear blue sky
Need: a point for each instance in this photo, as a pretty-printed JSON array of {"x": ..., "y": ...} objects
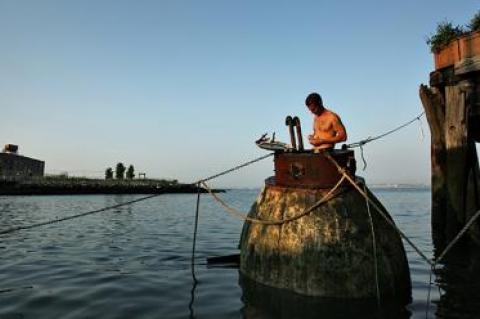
[{"x": 181, "y": 89}]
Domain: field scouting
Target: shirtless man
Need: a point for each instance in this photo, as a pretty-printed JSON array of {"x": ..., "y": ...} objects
[{"x": 327, "y": 126}]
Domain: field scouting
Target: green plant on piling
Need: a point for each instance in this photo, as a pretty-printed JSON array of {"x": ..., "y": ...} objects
[
  {"x": 445, "y": 33},
  {"x": 475, "y": 22}
]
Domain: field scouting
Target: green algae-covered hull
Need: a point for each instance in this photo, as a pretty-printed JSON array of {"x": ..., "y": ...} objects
[{"x": 327, "y": 253}]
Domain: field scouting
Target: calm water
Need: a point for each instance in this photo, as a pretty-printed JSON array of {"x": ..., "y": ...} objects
[{"x": 135, "y": 261}]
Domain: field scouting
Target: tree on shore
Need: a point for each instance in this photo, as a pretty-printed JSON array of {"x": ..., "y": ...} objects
[
  {"x": 119, "y": 171},
  {"x": 109, "y": 173},
  {"x": 130, "y": 172}
]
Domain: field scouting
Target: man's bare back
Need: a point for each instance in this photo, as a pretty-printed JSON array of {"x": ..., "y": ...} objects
[{"x": 327, "y": 126}]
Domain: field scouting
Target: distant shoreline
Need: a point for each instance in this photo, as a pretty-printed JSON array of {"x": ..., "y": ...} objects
[
  {"x": 400, "y": 187},
  {"x": 86, "y": 186}
]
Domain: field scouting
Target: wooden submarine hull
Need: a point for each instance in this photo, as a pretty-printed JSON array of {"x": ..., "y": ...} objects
[{"x": 326, "y": 253}]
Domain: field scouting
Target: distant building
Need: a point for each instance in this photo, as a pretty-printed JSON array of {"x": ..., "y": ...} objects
[{"x": 14, "y": 165}]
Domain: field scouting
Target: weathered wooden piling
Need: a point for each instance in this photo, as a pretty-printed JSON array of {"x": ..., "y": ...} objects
[
  {"x": 328, "y": 252},
  {"x": 452, "y": 107}
]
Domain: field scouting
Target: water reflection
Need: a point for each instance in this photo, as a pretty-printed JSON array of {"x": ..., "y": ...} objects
[
  {"x": 459, "y": 281},
  {"x": 16, "y": 213},
  {"x": 265, "y": 302},
  {"x": 137, "y": 259}
]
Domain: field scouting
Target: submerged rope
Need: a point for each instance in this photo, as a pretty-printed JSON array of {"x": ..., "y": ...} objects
[
  {"x": 197, "y": 206},
  {"x": 427, "y": 309},
  {"x": 197, "y": 213},
  {"x": 242, "y": 216}
]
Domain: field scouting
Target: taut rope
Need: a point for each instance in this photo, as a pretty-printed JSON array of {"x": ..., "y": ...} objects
[
  {"x": 243, "y": 216},
  {"x": 14, "y": 229}
]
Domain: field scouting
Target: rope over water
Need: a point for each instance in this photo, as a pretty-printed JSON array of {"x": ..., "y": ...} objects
[
  {"x": 353, "y": 145},
  {"x": 328, "y": 196},
  {"x": 371, "y": 139},
  {"x": 18, "y": 228},
  {"x": 203, "y": 181},
  {"x": 234, "y": 168},
  {"x": 307, "y": 211},
  {"x": 14, "y": 229}
]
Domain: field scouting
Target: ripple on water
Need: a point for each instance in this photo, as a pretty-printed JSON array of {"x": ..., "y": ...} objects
[{"x": 135, "y": 261}]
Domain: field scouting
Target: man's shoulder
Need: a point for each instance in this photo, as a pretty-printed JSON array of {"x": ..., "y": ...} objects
[{"x": 331, "y": 114}]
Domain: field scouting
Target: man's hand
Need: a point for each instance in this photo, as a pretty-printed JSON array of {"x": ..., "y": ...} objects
[{"x": 313, "y": 140}]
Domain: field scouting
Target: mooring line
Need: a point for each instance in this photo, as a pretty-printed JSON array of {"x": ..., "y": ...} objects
[
  {"x": 234, "y": 168},
  {"x": 195, "y": 232},
  {"x": 197, "y": 213},
  {"x": 330, "y": 194},
  {"x": 371, "y": 139},
  {"x": 374, "y": 245},
  {"x": 14, "y": 229},
  {"x": 192, "y": 264},
  {"x": 431, "y": 262},
  {"x": 4, "y": 290},
  {"x": 378, "y": 209},
  {"x": 427, "y": 309},
  {"x": 457, "y": 238},
  {"x": 352, "y": 145},
  {"x": 360, "y": 144},
  {"x": 18, "y": 228}
]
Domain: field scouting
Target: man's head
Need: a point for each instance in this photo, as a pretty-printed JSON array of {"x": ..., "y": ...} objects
[{"x": 314, "y": 103}]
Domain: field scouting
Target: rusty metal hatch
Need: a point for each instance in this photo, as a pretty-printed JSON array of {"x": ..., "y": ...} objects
[{"x": 311, "y": 170}]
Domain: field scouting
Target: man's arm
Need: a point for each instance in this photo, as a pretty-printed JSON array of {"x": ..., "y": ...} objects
[{"x": 339, "y": 129}]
